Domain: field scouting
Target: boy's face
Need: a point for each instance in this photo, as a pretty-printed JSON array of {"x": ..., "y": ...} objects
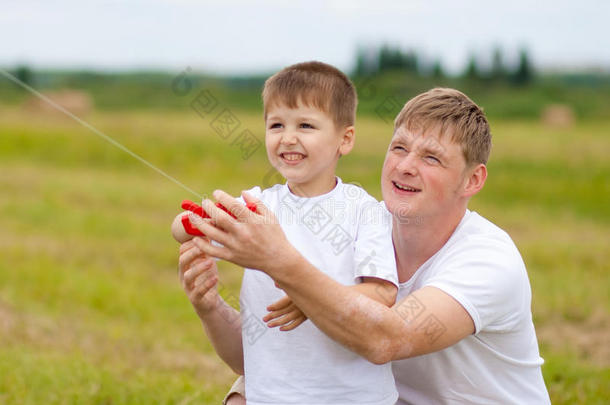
[{"x": 303, "y": 144}]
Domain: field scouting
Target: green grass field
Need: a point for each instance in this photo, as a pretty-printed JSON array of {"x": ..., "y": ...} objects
[{"x": 91, "y": 310}]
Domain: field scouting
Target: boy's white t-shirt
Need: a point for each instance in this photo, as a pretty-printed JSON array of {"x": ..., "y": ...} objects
[
  {"x": 346, "y": 234},
  {"x": 482, "y": 269}
]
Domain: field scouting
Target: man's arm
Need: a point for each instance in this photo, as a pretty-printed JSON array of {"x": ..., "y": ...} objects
[
  {"x": 222, "y": 323},
  {"x": 377, "y": 289},
  {"x": 285, "y": 314},
  {"x": 425, "y": 321}
]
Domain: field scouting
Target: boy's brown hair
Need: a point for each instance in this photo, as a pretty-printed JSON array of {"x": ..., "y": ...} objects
[
  {"x": 314, "y": 84},
  {"x": 451, "y": 110}
]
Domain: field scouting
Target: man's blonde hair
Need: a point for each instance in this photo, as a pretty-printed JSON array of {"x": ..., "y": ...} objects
[
  {"x": 314, "y": 84},
  {"x": 450, "y": 110}
]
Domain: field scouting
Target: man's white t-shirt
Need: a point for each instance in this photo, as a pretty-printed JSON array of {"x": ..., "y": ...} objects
[
  {"x": 346, "y": 234},
  {"x": 482, "y": 269}
]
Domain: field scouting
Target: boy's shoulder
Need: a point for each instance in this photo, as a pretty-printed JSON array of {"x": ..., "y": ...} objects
[
  {"x": 261, "y": 193},
  {"x": 355, "y": 193},
  {"x": 367, "y": 207},
  {"x": 352, "y": 192},
  {"x": 346, "y": 197},
  {"x": 258, "y": 191}
]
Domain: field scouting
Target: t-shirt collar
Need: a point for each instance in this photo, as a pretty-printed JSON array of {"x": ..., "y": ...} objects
[{"x": 301, "y": 200}]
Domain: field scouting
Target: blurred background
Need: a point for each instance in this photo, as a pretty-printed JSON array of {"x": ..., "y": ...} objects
[{"x": 91, "y": 310}]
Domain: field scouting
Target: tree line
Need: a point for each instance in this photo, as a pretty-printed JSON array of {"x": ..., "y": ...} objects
[{"x": 376, "y": 61}]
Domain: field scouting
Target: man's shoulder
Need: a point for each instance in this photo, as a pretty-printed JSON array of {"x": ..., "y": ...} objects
[
  {"x": 482, "y": 269},
  {"x": 479, "y": 243},
  {"x": 477, "y": 224},
  {"x": 476, "y": 230}
]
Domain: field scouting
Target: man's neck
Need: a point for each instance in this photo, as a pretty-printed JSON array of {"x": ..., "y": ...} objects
[{"x": 415, "y": 243}]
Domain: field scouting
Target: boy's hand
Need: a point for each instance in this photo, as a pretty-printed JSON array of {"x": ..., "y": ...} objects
[
  {"x": 179, "y": 230},
  {"x": 284, "y": 314},
  {"x": 199, "y": 278}
]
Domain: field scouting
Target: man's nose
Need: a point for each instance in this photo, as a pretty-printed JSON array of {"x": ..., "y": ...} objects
[{"x": 408, "y": 164}]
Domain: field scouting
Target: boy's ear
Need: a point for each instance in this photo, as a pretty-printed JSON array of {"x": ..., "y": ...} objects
[
  {"x": 475, "y": 180},
  {"x": 347, "y": 140}
]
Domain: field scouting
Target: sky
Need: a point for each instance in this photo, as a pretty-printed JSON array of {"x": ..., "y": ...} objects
[{"x": 240, "y": 36}]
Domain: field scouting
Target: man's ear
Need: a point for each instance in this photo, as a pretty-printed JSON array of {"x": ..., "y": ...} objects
[
  {"x": 475, "y": 179},
  {"x": 347, "y": 140}
]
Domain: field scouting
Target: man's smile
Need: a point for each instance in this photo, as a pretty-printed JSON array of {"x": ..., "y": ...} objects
[{"x": 405, "y": 187}]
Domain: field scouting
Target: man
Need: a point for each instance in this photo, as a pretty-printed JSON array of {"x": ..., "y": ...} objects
[{"x": 461, "y": 329}]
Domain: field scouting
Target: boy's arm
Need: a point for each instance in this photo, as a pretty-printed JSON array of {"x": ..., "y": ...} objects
[
  {"x": 199, "y": 278},
  {"x": 222, "y": 324},
  {"x": 223, "y": 328}
]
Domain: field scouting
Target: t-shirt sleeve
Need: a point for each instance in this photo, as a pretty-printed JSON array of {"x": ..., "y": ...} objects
[
  {"x": 489, "y": 280},
  {"x": 374, "y": 250},
  {"x": 254, "y": 192}
]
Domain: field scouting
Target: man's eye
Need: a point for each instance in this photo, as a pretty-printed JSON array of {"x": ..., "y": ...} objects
[
  {"x": 432, "y": 159},
  {"x": 399, "y": 148}
]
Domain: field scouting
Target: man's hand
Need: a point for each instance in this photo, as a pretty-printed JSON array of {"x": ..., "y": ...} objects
[
  {"x": 251, "y": 239},
  {"x": 285, "y": 314},
  {"x": 199, "y": 277}
]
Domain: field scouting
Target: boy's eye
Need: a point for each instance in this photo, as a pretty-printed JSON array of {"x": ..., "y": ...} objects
[
  {"x": 306, "y": 125},
  {"x": 275, "y": 125}
]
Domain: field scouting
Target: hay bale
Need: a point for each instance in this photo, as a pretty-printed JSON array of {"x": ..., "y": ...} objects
[
  {"x": 558, "y": 116},
  {"x": 77, "y": 102}
]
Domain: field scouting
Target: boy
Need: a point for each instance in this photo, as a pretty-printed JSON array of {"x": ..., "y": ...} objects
[{"x": 309, "y": 112}]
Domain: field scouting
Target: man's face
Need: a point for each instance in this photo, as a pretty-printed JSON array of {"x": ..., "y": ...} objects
[
  {"x": 304, "y": 145},
  {"x": 423, "y": 175}
]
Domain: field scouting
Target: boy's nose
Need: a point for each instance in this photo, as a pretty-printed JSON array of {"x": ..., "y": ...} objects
[{"x": 288, "y": 138}]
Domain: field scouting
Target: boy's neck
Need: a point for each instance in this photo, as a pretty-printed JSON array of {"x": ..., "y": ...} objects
[{"x": 314, "y": 189}]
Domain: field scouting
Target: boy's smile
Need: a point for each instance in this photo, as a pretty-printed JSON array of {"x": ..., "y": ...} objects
[
  {"x": 292, "y": 158},
  {"x": 304, "y": 145}
]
